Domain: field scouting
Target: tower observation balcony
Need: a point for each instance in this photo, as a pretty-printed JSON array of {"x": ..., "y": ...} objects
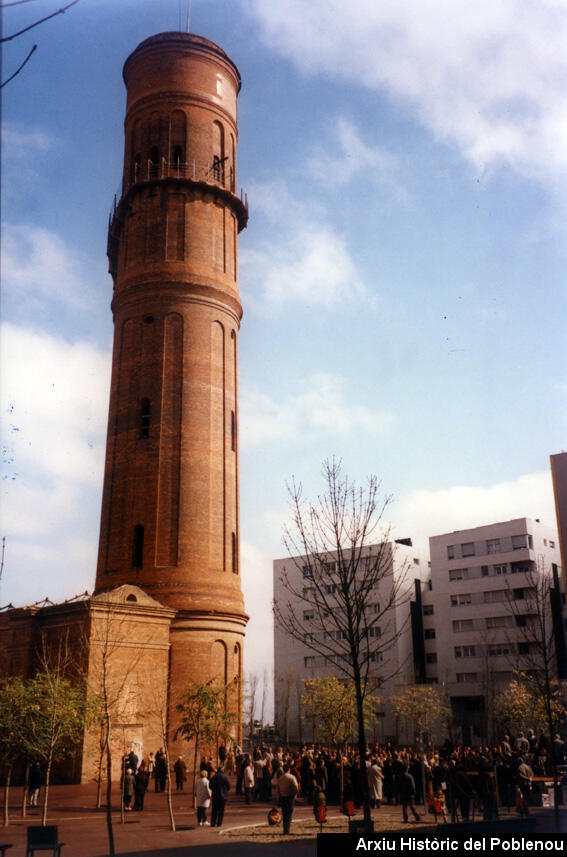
[{"x": 212, "y": 176}]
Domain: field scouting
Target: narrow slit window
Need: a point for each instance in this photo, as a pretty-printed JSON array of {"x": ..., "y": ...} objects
[
  {"x": 234, "y": 554},
  {"x": 138, "y": 552},
  {"x": 233, "y": 431},
  {"x": 145, "y": 415}
]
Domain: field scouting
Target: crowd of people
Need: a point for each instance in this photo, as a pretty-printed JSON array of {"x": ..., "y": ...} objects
[{"x": 453, "y": 779}]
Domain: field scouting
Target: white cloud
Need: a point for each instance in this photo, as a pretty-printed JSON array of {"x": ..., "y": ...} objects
[
  {"x": 354, "y": 158},
  {"x": 487, "y": 77},
  {"x": 307, "y": 264},
  {"x": 21, "y": 143},
  {"x": 54, "y": 400},
  {"x": 424, "y": 513},
  {"x": 39, "y": 269},
  {"x": 319, "y": 408}
]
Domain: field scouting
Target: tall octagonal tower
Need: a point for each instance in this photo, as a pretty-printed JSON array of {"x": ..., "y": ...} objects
[{"x": 170, "y": 518}]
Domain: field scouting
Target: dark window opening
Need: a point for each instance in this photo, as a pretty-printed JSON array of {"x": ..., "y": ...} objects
[
  {"x": 521, "y": 621},
  {"x": 233, "y": 431},
  {"x": 138, "y": 552},
  {"x": 137, "y": 166},
  {"x": 131, "y": 597},
  {"x": 149, "y": 319},
  {"x": 154, "y": 155},
  {"x": 145, "y": 413},
  {"x": 234, "y": 555},
  {"x": 177, "y": 156}
]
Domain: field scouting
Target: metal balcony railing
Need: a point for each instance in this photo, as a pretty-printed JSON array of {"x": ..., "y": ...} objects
[{"x": 215, "y": 173}]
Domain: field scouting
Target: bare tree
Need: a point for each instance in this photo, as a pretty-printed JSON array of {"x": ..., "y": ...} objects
[
  {"x": 250, "y": 703},
  {"x": 341, "y": 558},
  {"x": 536, "y": 604}
]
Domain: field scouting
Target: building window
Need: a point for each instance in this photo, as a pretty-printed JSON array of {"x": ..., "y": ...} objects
[
  {"x": 465, "y": 651},
  {"x": 458, "y": 573},
  {"x": 375, "y": 657},
  {"x": 499, "y": 621},
  {"x": 308, "y": 638},
  {"x": 138, "y": 547},
  {"x": 415, "y": 560},
  {"x": 460, "y": 625},
  {"x": 521, "y": 620},
  {"x": 307, "y": 571},
  {"x": 309, "y": 661},
  {"x": 330, "y": 588},
  {"x": 145, "y": 413},
  {"x": 234, "y": 554},
  {"x": 308, "y": 615},
  {"x": 429, "y": 633},
  {"x": 523, "y": 648},
  {"x": 518, "y": 594},
  {"x": 493, "y": 546},
  {"x": 495, "y": 595},
  {"x": 467, "y": 549},
  {"x": 501, "y": 569},
  {"x": 519, "y": 542},
  {"x": 462, "y": 598},
  {"x": 551, "y": 544},
  {"x": 484, "y": 570},
  {"x": 308, "y": 592},
  {"x": 428, "y": 610},
  {"x": 464, "y": 677},
  {"x": 431, "y": 658},
  {"x": 495, "y": 651},
  {"x": 450, "y": 551},
  {"x": 233, "y": 431}
]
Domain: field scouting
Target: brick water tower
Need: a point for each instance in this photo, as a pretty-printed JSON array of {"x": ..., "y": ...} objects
[{"x": 170, "y": 512}]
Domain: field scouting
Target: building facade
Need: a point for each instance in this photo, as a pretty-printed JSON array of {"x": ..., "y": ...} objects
[
  {"x": 481, "y": 613},
  {"x": 392, "y": 662}
]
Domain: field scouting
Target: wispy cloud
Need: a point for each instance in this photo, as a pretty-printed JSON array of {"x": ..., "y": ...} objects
[
  {"x": 305, "y": 262},
  {"x": 320, "y": 408},
  {"x": 353, "y": 158},
  {"x": 39, "y": 268},
  {"x": 487, "y": 77},
  {"x": 424, "y": 513},
  {"x": 54, "y": 398}
]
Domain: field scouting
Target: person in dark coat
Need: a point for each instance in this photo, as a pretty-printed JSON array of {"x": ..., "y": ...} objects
[
  {"x": 161, "y": 771},
  {"x": 220, "y": 787},
  {"x": 141, "y": 781},
  {"x": 406, "y": 792},
  {"x": 180, "y": 770}
]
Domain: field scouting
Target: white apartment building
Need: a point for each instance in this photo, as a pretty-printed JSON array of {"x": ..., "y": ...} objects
[
  {"x": 295, "y": 661},
  {"x": 478, "y": 613}
]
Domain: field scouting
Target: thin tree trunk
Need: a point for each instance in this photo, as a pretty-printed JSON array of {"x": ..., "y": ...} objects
[
  {"x": 195, "y": 772},
  {"x": 25, "y": 790},
  {"x": 169, "y": 801},
  {"x": 6, "y": 796},
  {"x": 109, "y": 827},
  {"x": 46, "y": 793}
]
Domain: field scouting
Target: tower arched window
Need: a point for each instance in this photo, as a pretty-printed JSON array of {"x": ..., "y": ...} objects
[
  {"x": 145, "y": 416},
  {"x": 138, "y": 547},
  {"x": 154, "y": 159},
  {"x": 177, "y": 157},
  {"x": 233, "y": 431},
  {"x": 234, "y": 554}
]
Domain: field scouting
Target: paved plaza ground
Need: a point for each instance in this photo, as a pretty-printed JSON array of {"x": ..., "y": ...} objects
[{"x": 245, "y": 832}]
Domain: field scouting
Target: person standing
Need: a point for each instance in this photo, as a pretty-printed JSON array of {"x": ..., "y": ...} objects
[
  {"x": 220, "y": 786},
  {"x": 34, "y": 783},
  {"x": 248, "y": 781},
  {"x": 129, "y": 785},
  {"x": 141, "y": 780},
  {"x": 202, "y": 798},
  {"x": 180, "y": 770},
  {"x": 406, "y": 791},
  {"x": 161, "y": 770},
  {"x": 287, "y": 790}
]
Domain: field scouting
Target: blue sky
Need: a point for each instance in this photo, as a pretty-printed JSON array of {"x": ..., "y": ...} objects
[{"x": 402, "y": 274}]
